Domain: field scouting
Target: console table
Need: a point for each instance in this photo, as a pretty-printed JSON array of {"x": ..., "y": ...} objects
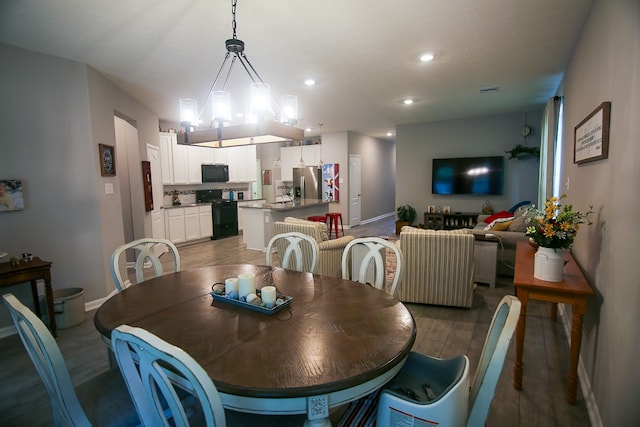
[
  {"x": 450, "y": 221},
  {"x": 574, "y": 290},
  {"x": 30, "y": 271}
]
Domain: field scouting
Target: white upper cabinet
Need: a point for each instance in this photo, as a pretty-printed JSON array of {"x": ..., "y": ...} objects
[
  {"x": 242, "y": 163},
  {"x": 290, "y": 158},
  {"x": 181, "y": 164},
  {"x": 167, "y": 140}
]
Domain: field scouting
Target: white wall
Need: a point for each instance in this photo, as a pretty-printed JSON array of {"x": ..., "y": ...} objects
[
  {"x": 418, "y": 144},
  {"x": 605, "y": 66}
]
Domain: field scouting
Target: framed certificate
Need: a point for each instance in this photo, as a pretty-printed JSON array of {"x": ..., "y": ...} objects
[{"x": 591, "y": 136}]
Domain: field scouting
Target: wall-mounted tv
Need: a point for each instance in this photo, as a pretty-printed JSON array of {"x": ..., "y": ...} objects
[{"x": 468, "y": 175}]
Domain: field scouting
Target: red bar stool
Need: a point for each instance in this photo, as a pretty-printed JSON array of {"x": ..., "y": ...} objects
[
  {"x": 333, "y": 222},
  {"x": 317, "y": 218}
]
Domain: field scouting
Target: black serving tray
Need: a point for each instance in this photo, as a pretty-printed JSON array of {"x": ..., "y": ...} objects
[{"x": 276, "y": 308}]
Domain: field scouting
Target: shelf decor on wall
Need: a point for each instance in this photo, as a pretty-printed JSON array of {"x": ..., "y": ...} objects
[{"x": 591, "y": 136}]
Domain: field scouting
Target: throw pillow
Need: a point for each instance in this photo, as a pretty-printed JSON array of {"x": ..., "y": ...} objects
[
  {"x": 517, "y": 205},
  {"x": 500, "y": 224},
  {"x": 498, "y": 215},
  {"x": 519, "y": 224}
]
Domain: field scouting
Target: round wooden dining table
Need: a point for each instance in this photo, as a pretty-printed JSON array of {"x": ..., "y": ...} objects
[{"x": 336, "y": 341}]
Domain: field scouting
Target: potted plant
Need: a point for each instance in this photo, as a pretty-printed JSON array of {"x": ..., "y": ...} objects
[{"x": 406, "y": 216}]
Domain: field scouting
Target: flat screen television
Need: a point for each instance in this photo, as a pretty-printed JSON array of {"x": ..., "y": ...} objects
[{"x": 483, "y": 176}]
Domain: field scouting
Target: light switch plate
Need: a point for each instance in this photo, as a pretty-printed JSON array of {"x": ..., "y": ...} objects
[{"x": 108, "y": 188}]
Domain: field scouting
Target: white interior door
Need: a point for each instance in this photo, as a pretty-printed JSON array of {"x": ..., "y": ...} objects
[
  {"x": 355, "y": 189},
  {"x": 157, "y": 216}
]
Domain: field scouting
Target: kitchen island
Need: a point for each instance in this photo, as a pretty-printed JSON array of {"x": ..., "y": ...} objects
[{"x": 258, "y": 218}]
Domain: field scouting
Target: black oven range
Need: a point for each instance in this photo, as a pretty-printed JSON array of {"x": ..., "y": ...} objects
[{"x": 224, "y": 213}]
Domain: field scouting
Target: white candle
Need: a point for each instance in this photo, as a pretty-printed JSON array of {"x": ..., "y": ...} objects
[
  {"x": 246, "y": 284},
  {"x": 269, "y": 295},
  {"x": 231, "y": 285}
]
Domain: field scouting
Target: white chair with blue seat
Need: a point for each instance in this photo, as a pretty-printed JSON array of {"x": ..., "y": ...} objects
[
  {"x": 165, "y": 382},
  {"x": 403, "y": 396},
  {"x": 146, "y": 252},
  {"x": 100, "y": 401}
]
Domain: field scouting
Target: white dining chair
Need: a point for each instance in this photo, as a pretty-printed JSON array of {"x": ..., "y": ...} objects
[
  {"x": 370, "y": 256},
  {"x": 105, "y": 399},
  {"x": 297, "y": 251},
  {"x": 147, "y": 250},
  {"x": 165, "y": 382}
]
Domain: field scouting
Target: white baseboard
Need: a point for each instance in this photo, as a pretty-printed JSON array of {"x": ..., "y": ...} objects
[
  {"x": 377, "y": 218},
  {"x": 585, "y": 384}
]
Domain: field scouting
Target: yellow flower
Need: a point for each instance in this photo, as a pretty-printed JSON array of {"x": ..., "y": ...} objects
[
  {"x": 547, "y": 230},
  {"x": 565, "y": 226}
]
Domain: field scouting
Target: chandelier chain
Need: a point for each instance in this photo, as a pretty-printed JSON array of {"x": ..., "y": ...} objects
[{"x": 234, "y": 3}]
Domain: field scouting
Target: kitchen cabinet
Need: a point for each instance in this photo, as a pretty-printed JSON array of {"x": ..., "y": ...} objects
[
  {"x": 290, "y": 158},
  {"x": 242, "y": 163},
  {"x": 174, "y": 219},
  {"x": 196, "y": 157},
  {"x": 240, "y": 205},
  {"x": 191, "y": 223},
  {"x": 206, "y": 221},
  {"x": 167, "y": 140},
  {"x": 180, "y": 164}
]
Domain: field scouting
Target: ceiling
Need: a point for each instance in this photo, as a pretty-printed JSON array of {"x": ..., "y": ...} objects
[{"x": 363, "y": 54}]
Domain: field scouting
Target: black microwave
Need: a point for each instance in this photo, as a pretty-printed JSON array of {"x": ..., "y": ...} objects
[{"x": 215, "y": 173}]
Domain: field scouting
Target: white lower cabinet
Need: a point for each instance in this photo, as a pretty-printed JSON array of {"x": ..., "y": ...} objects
[
  {"x": 174, "y": 219},
  {"x": 206, "y": 221},
  {"x": 192, "y": 223},
  {"x": 188, "y": 223}
]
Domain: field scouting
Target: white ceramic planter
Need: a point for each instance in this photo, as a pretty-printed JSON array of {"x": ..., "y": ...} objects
[{"x": 549, "y": 264}]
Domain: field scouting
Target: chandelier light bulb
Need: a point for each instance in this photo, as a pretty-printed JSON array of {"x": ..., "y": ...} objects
[
  {"x": 188, "y": 110},
  {"x": 221, "y": 106}
]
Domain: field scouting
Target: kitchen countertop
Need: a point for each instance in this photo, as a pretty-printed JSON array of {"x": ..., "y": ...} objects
[{"x": 286, "y": 206}]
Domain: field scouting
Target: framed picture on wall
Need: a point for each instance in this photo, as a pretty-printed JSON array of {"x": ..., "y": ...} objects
[
  {"x": 107, "y": 159},
  {"x": 591, "y": 136},
  {"x": 11, "y": 195}
]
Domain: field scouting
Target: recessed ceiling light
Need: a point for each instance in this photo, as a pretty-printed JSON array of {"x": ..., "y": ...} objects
[
  {"x": 389, "y": 133},
  {"x": 310, "y": 82},
  {"x": 426, "y": 57},
  {"x": 308, "y": 130},
  {"x": 408, "y": 101}
]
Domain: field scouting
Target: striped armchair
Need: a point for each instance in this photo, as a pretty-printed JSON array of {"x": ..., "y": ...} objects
[
  {"x": 438, "y": 267},
  {"x": 330, "y": 256}
]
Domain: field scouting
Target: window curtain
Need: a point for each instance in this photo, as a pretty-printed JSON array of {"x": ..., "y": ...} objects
[{"x": 550, "y": 150}]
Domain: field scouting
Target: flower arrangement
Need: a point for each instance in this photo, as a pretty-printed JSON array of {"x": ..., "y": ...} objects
[{"x": 557, "y": 225}]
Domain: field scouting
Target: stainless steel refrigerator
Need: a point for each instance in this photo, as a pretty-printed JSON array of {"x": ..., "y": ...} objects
[{"x": 307, "y": 183}]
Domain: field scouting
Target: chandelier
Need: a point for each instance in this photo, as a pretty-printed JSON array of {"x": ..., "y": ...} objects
[{"x": 262, "y": 124}]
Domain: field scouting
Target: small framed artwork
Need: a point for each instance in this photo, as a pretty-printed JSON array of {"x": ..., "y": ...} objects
[
  {"x": 107, "y": 159},
  {"x": 11, "y": 195},
  {"x": 266, "y": 177},
  {"x": 446, "y": 209},
  {"x": 431, "y": 209},
  {"x": 591, "y": 136}
]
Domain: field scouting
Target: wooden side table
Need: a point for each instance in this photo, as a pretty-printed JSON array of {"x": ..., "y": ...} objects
[
  {"x": 30, "y": 271},
  {"x": 574, "y": 290}
]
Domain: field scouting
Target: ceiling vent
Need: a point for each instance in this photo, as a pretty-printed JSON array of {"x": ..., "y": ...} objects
[{"x": 490, "y": 89}]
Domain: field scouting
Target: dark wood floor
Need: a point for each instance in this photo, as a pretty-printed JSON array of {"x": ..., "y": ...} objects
[{"x": 441, "y": 332}]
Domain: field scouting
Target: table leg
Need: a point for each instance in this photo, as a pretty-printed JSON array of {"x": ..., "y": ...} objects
[
  {"x": 523, "y": 296},
  {"x": 554, "y": 311},
  {"x": 36, "y": 302},
  {"x": 49, "y": 293},
  {"x": 318, "y": 411},
  {"x": 576, "y": 339}
]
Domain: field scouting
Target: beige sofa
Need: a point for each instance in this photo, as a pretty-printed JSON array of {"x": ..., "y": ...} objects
[
  {"x": 330, "y": 256},
  {"x": 508, "y": 238},
  {"x": 437, "y": 267}
]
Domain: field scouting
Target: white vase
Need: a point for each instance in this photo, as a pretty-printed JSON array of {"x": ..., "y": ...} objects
[{"x": 549, "y": 264}]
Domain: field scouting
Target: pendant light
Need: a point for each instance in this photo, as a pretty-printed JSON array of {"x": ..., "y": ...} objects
[{"x": 262, "y": 126}]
